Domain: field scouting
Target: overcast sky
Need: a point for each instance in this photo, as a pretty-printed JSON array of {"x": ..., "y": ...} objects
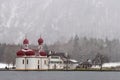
[{"x": 58, "y": 19}]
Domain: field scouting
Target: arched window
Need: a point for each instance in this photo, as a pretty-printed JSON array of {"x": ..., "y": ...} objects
[
  {"x": 27, "y": 61},
  {"x": 23, "y": 61}
]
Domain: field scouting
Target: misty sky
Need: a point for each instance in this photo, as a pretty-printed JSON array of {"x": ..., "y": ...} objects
[{"x": 58, "y": 19}]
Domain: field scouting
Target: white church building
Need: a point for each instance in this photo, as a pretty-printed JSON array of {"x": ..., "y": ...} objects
[{"x": 29, "y": 59}]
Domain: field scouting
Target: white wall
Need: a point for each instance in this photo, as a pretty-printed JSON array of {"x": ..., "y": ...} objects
[
  {"x": 43, "y": 63},
  {"x": 31, "y": 63},
  {"x": 19, "y": 63},
  {"x": 55, "y": 65},
  {"x": 38, "y": 63},
  {"x": 34, "y": 62}
]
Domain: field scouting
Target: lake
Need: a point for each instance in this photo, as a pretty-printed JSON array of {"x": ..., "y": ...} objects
[{"x": 58, "y": 75}]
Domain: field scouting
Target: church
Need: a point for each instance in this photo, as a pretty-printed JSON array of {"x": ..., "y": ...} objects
[
  {"x": 29, "y": 59},
  {"x": 38, "y": 59}
]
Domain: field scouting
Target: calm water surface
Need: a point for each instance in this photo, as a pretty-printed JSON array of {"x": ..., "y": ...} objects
[{"x": 58, "y": 75}]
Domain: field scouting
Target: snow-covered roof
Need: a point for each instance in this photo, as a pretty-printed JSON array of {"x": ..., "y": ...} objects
[
  {"x": 27, "y": 50},
  {"x": 72, "y": 60}
]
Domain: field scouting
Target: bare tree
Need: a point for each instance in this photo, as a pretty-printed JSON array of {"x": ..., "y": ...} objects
[{"x": 100, "y": 59}]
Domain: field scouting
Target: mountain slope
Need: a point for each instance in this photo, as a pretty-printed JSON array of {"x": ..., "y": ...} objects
[{"x": 56, "y": 19}]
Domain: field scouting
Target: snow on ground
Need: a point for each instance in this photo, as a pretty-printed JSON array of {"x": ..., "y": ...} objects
[
  {"x": 108, "y": 65},
  {"x": 112, "y": 64},
  {"x": 96, "y": 67},
  {"x": 3, "y": 65}
]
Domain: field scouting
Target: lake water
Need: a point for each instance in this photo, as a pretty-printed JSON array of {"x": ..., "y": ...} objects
[{"x": 58, "y": 75}]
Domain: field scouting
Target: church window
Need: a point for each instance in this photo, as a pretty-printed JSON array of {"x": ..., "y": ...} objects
[
  {"x": 23, "y": 61},
  {"x": 27, "y": 61}
]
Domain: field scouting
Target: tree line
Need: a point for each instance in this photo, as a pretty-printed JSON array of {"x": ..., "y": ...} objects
[
  {"x": 83, "y": 48},
  {"x": 79, "y": 48}
]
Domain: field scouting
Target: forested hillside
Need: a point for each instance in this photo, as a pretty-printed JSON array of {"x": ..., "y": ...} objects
[
  {"x": 87, "y": 48},
  {"x": 78, "y": 48}
]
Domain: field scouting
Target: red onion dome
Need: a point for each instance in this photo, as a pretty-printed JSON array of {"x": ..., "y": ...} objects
[
  {"x": 20, "y": 53},
  {"x": 40, "y": 41},
  {"x": 26, "y": 41},
  {"x": 30, "y": 53},
  {"x": 42, "y": 53}
]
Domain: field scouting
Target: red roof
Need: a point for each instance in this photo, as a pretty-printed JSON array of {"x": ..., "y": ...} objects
[
  {"x": 25, "y": 41},
  {"x": 40, "y": 41},
  {"x": 20, "y": 53},
  {"x": 29, "y": 53},
  {"x": 42, "y": 53}
]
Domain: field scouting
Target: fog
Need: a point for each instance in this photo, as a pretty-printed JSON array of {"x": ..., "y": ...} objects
[{"x": 58, "y": 19}]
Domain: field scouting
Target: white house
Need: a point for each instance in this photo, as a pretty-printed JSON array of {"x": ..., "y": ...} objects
[{"x": 55, "y": 62}]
